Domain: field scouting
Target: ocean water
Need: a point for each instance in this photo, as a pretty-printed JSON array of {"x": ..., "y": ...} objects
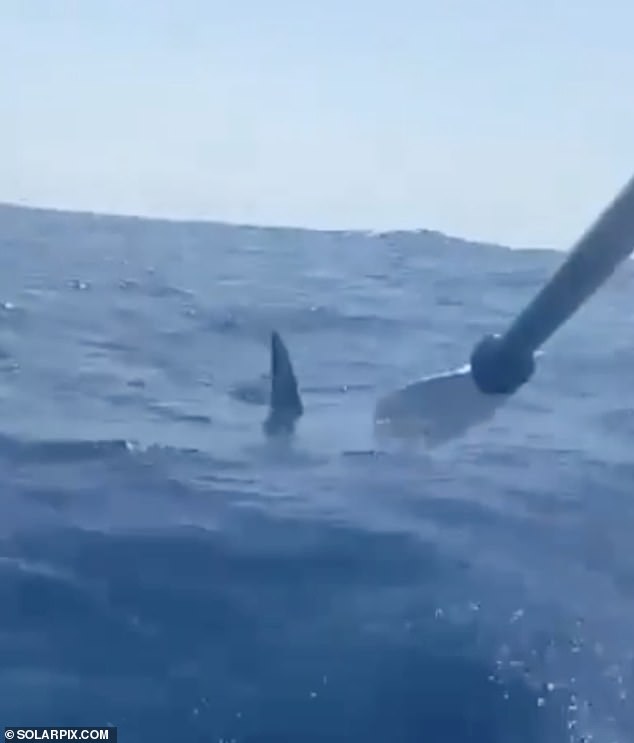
[{"x": 165, "y": 569}]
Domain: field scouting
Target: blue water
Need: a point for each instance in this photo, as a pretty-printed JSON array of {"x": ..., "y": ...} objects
[{"x": 165, "y": 569}]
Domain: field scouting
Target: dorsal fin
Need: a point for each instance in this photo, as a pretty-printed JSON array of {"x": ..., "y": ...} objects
[{"x": 286, "y": 404}]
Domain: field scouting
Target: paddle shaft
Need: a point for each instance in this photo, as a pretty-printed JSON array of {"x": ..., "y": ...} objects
[{"x": 589, "y": 264}]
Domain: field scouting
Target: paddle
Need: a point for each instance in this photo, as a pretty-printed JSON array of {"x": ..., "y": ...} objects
[
  {"x": 445, "y": 405},
  {"x": 501, "y": 364}
]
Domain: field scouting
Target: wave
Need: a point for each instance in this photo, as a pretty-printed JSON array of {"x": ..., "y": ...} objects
[{"x": 52, "y": 450}]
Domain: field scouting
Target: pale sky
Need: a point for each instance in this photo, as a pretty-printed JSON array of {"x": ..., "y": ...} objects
[{"x": 503, "y": 120}]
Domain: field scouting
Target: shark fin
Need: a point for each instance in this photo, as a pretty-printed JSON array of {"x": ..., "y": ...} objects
[{"x": 285, "y": 402}]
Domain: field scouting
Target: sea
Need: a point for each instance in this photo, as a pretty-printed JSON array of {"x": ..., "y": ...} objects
[{"x": 168, "y": 570}]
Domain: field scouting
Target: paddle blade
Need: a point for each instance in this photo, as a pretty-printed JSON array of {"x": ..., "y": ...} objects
[{"x": 436, "y": 409}]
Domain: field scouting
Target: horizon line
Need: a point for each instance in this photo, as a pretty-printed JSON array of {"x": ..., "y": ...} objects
[{"x": 202, "y": 221}]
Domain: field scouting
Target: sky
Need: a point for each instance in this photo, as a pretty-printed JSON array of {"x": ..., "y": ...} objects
[{"x": 510, "y": 122}]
